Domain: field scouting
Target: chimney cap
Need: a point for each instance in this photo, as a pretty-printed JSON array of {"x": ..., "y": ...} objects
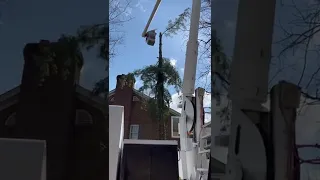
[{"x": 127, "y": 80}]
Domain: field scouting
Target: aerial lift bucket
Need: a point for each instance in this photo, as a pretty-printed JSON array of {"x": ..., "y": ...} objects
[{"x": 151, "y": 37}]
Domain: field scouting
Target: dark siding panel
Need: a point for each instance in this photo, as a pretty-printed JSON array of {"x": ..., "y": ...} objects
[
  {"x": 164, "y": 163},
  {"x": 150, "y": 162},
  {"x": 137, "y": 162}
]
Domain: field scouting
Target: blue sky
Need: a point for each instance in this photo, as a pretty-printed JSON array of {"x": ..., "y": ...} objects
[
  {"x": 135, "y": 53},
  {"x": 29, "y": 21}
]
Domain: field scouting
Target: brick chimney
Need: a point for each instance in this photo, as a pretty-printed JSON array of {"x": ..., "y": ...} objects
[
  {"x": 46, "y": 106},
  {"x": 123, "y": 97}
]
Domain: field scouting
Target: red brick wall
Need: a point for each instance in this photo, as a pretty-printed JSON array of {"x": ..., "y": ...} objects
[
  {"x": 147, "y": 127},
  {"x": 135, "y": 113}
]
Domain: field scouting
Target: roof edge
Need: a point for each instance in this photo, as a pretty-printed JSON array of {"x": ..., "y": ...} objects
[
  {"x": 79, "y": 90},
  {"x": 144, "y": 96}
]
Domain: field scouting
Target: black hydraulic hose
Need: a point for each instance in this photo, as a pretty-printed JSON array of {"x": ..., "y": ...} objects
[
  {"x": 209, "y": 170},
  {"x": 194, "y": 119}
]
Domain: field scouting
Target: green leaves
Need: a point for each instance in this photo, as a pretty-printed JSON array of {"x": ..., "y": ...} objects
[
  {"x": 159, "y": 104},
  {"x": 148, "y": 76},
  {"x": 94, "y": 36},
  {"x": 101, "y": 86},
  {"x": 178, "y": 24}
]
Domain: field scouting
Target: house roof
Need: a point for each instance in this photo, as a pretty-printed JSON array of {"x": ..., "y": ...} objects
[
  {"x": 145, "y": 97},
  {"x": 82, "y": 93}
]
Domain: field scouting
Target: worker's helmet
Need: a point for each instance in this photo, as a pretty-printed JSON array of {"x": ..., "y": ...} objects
[{"x": 151, "y": 37}]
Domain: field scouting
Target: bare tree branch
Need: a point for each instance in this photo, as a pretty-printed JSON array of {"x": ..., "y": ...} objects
[{"x": 300, "y": 38}]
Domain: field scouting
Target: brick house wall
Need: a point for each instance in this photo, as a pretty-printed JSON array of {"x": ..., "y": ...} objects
[
  {"x": 136, "y": 112},
  {"x": 50, "y": 112}
]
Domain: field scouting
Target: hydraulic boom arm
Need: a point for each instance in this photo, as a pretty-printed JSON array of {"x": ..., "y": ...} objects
[
  {"x": 261, "y": 143},
  {"x": 187, "y": 145}
]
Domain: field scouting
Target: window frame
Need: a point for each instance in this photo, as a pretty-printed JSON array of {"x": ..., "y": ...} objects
[
  {"x": 172, "y": 136},
  {"x": 135, "y": 99},
  {"x": 131, "y": 129}
]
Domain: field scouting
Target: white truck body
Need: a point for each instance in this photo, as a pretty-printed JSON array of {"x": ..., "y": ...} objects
[
  {"x": 116, "y": 123},
  {"x": 22, "y": 159}
]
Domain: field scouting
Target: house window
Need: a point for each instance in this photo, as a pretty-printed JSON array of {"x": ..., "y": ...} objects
[
  {"x": 207, "y": 143},
  {"x": 134, "y": 131},
  {"x": 11, "y": 120},
  {"x": 175, "y": 126},
  {"x": 83, "y": 117},
  {"x": 135, "y": 98}
]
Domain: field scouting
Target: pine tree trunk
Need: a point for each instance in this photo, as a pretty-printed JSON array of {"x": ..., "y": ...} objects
[{"x": 160, "y": 93}]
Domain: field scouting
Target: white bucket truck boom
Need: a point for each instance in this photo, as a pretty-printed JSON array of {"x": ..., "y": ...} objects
[
  {"x": 261, "y": 143},
  {"x": 194, "y": 165}
]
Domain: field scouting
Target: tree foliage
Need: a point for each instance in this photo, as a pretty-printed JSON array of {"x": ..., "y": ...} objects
[
  {"x": 159, "y": 105},
  {"x": 149, "y": 76}
]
